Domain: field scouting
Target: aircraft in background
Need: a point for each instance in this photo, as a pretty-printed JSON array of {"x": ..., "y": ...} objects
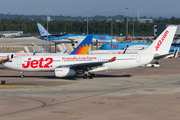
[
  {"x": 70, "y": 65},
  {"x": 172, "y": 54},
  {"x": 134, "y": 46},
  {"x": 4, "y": 57},
  {"x": 70, "y": 38},
  {"x": 174, "y": 46},
  {"x": 121, "y": 46}
]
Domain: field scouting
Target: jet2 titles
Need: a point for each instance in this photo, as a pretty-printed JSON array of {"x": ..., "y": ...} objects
[
  {"x": 161, "y": 41},
  {"x": 38, "y": 63}
]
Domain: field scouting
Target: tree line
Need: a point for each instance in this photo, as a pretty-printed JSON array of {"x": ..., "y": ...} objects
[
  {"x": 80, "y": 27},
  {"x": 72, "y": 18}
]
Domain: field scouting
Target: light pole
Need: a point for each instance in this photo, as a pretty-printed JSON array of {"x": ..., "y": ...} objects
[
  {"x": 133, "y": 23},
  {"x": 111, "y": 27},
  {"x": 47, "y": 9},
  {"x": 127, "y": 21},
  {"x": 87, "y": 21}
]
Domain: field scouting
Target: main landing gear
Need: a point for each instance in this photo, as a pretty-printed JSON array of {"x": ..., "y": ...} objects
[
  {"x": 22, "y": 74},
  {"x": 90, "y": 75}
]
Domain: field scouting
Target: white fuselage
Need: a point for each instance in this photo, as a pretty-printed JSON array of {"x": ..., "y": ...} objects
[
  {"x": 4, "y": 56},
  {"x": 49, "y": 63}
]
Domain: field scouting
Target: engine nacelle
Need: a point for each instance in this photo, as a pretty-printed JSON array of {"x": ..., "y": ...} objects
[{"x": 64, "y": 72}]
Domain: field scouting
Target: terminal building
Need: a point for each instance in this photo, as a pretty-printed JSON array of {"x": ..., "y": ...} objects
[
  {"x": 159, "y": 28},
  {"x": 146, "y": 20},
  {"x": 11, "y": 33}
]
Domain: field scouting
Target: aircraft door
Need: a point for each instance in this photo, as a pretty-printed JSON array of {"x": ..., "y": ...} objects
[
  {"x": 19, "y": 61},
  {"x": 99, "y": 59},
  {"x": 138, "y": 58}
]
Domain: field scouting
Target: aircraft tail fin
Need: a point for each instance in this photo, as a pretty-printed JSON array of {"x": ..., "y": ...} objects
[
  {"x": 163, "y": 43},
  {"x": 142, "y": 48},
  {"x": 83, "y": 47},
  {"x": 125, "y": 49},
  {"x": 42, "y": 30}
]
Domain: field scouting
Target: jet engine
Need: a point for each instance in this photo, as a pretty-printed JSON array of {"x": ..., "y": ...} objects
[{"x": 64, "y": 72}]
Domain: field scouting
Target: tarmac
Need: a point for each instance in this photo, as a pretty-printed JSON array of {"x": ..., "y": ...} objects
[
  {"x": 24, "y": 41},
  {"x": 133, "y": 94}
]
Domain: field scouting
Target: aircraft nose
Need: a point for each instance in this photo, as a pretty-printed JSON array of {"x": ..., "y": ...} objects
[
  {"x": 4, "y": 64},
  {"x": 7, "y": 65}
]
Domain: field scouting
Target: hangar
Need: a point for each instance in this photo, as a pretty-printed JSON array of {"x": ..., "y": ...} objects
[{"x": 11, "y": 33}]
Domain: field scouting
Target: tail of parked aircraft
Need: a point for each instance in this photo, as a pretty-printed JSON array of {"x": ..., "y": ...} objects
[
  {"x": 163, "y": 43},
  {"x": 125, "y": 49},
  {"x": 83, "y": 47},
  {"x": 42, "y": 30}
]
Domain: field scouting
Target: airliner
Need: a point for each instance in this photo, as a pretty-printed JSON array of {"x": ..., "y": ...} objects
[
  {"x": 133, "y": 46},
  {"x": 70, "y": 38},
  {"x": 120, "y": 46},
  {"x": 71, "y": 65}
]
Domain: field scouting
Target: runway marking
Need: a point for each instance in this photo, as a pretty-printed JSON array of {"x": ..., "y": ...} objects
[
  {"x": 17, "y": 86},
  {"x": 44, "y": 104},
  {"x": 97, "y": 102},
  {"x": 58, "y": 112},
  {"x": 150, "y": 90},
  {"x": 121, "y": 99},
  {"x": 127, "y": 81},
  {"x": 154, "y": 78},
  {"x": 134, "y": 99},
  {"x": 117, "y": 98},
  {"x": 15, "y": 80},
  {"x": 75, "y": 113},
  {"x": 165, "y": 90},
  {"x": 112, "y": 104}
]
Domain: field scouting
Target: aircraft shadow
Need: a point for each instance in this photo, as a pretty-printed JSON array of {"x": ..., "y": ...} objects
[
  {"x": 34, "y": 77},
  {"x": 103, "y": 75},
  {"x": 66, "y": 78}
]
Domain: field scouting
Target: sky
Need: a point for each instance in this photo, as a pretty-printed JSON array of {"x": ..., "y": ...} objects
[{"x": 149, "y": 8}]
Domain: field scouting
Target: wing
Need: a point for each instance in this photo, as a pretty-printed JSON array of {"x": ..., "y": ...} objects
[{"x": 87, "y": 66}]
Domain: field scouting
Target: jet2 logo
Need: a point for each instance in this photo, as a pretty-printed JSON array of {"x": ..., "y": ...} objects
[
  {"x": 42, "y": 32},
  {"x": 161, "y": 41},
  {"x": 38, "y": 63}
]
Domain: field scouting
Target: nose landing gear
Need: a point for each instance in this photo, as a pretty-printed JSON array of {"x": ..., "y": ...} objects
[{"x": 22, "y": 74}]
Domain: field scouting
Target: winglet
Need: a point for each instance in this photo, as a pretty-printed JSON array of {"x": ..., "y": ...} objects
[
  {"x": 83, "y": 47},
  {"x": 112, "y": 59},
  {"x": 34, "y": 53},
  {"x": 42, "y": 30}
]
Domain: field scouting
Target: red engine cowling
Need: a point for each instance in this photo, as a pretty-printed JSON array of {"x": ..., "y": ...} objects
[{"x": 64, "y": 72}]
